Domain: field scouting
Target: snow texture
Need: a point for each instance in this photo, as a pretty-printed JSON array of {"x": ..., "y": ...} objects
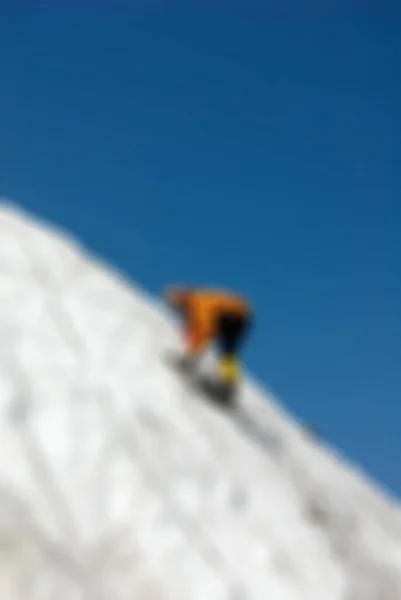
[{"x": 117, "y": 481}]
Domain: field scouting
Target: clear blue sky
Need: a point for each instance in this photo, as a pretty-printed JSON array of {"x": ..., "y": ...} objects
[{"x": 258, "y": 151}]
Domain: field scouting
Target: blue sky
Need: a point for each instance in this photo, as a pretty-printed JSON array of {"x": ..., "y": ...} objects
[{"x": 252, "y": 150}]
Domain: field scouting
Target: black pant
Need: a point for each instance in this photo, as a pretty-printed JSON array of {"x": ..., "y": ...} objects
[{"x": 231, "y": 330}]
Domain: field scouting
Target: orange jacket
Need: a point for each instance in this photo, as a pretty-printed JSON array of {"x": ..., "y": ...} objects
[{"x": 201, "y": 309}]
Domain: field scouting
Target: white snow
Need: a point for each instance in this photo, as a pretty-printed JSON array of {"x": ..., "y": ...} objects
[{"x": 119, "y": 482}]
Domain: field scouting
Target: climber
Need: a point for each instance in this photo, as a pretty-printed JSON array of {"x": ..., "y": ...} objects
[{"x": 212, "y": 315}]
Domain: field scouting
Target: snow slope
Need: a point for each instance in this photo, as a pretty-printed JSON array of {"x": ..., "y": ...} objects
[{"x": 119, "y": 482}]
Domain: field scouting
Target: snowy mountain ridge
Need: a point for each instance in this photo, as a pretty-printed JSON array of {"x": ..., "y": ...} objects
[{"x": 117, "y": 481}]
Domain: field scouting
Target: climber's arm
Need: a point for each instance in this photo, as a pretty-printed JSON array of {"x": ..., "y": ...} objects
[{"x": 196, "y": 335}]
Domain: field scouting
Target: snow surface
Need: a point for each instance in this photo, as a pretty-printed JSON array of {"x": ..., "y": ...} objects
[{"x": 117, "y": 481}]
